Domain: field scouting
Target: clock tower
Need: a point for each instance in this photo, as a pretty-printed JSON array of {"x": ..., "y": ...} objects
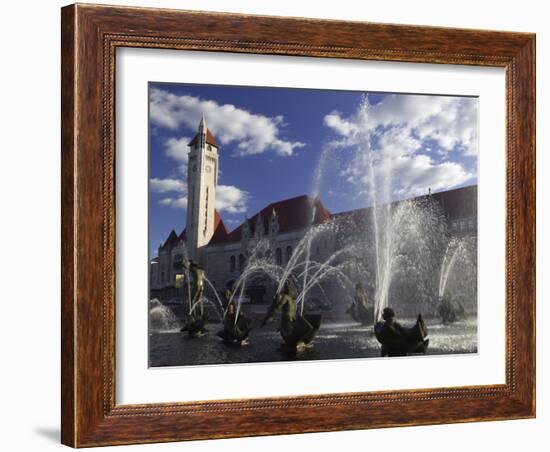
[{"x": 202, "y": 179}]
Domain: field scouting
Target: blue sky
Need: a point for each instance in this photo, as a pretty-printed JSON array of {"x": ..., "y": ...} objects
[{"x": 273, "y": 140}]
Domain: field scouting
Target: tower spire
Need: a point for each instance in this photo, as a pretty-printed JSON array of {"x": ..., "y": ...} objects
[
  {"x": 202, "y": 125},
  {"x": 202, "y": 131}
]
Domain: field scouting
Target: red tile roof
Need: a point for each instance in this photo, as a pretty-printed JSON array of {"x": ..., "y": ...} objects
[
  {"x": 456, "y": 203},
  {"x": 171, "y": 241},
  {"x": 293, "y": 213},
  {"x": 183, "y": 235},
  {"x": 220, "y": 231},
  {"x": 210, "y": 139}
]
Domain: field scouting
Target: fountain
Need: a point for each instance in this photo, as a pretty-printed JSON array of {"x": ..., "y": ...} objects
[
  {"x": 260, "y": 263},
  {"x": 236, "y": 328},
  {"x": 196, "y": 316},
  {"x": 297, "y": 330},
  {"x": 457, "y": 261},
  {"x": 161, "y": 318},
  {"x": 454, "y": 248},
  {"x": 404, "y": 237},
  {"x": 301, "y": 272},
  {"x": 360, "y": 310},
  {"x": 185, "y": 280}
]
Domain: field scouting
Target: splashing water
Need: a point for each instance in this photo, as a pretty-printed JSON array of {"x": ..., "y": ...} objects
[
  {"x": 454, "y": 248},
  {"x": 204, "y": 301},
  {"x": 311, "y": 273},
  {"x": 458, "y": 277},
  {"x": 400, "y": 239},
  {"x": 259, "y": 263},
  {"x": 161, "y": 317},
  {"x": 219, "y": 305}
]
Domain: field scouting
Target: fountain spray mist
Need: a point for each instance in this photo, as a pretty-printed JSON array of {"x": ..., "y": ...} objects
[{"x": 399, "y": 237}]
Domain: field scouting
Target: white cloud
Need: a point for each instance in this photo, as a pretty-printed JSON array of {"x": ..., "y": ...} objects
[
  {"x": 401, "y": 137},
  {"x": 339, "y": 124},
  {"x": 449, "y": 121},
  {"x": 180, "y": 203},
  {"x": 166, "y": 185},
  {"x": 177, "y": 148},
  {"x": 417, "y": 174},
  {"x": 252, "y": 133},
  {"x": 231, "y": 199},
  {"x": 175, "y": 203},
  {"x": 398, "y": 141},
  {"x": 166, "y": 201}
]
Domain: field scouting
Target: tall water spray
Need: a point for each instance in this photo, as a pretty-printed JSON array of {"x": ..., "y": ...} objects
[
  {"x": 458, "y": 275},
  {"x": 377, "y": 182},
  {"x": 454, "y": 248},
  {"x": 402, "y": 237}
]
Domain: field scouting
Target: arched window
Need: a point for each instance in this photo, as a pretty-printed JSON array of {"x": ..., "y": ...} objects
[
  {"x": 232, "y": 264},
  {"x": 241, "y": 262},
  {"x": 279, "y": 256},
  {"x": 288, "y": 253}
]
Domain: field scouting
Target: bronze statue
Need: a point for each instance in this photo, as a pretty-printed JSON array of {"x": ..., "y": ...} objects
[
  {"x": 228, "y": 294},
  {"x": 197, "y": 316},
  {"x": 295, "y": 329},
  {"x": 360, "y": 310},
  {"x": 397, "y": 340},
  {"x": 449, "y": 311},
  {"x": 235, "y": 327}
]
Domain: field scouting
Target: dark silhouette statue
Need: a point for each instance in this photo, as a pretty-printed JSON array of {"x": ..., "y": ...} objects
[
  {"x": 360, "y": 310},
  {"x": 448, "y": 311},
  {"x": 194, "y": 323},
  {"x": 295, "y": 329},
  {"x": 236, "y": 327},
  {"x": 397, "y": 340}
]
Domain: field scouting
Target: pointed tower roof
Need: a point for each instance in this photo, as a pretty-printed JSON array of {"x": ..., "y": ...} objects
[
  {"x": 210, "y": 139},
  {"x": 171, "y": 241},
  {"x": 183, "y": 235}
]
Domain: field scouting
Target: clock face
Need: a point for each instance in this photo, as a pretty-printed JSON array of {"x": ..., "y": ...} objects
[{"x": 208, "y": 168}]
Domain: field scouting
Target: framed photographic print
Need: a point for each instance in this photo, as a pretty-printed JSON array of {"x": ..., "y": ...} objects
[{"x": 281, "y": 225}]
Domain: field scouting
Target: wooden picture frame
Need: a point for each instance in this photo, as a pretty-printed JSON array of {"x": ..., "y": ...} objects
[{"x": 90, "y": 35}]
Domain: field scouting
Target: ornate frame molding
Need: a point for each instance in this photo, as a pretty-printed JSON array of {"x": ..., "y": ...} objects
[{"x": 90, "y": 37}]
